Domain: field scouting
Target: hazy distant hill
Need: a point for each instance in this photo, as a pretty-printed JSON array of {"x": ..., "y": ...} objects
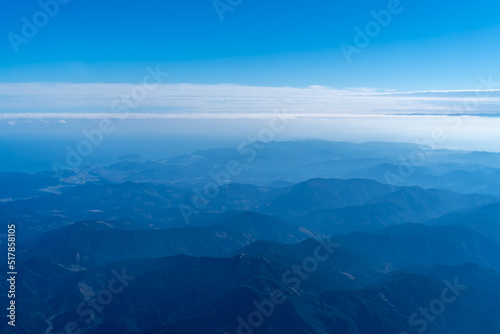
[{"x": 393, "y": 251}]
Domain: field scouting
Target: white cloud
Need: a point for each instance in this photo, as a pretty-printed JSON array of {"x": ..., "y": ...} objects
[{"x": 70, "y": 100}]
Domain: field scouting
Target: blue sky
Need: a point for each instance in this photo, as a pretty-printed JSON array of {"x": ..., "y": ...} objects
[
  {"x": 229, "y": 77},
  {"x": 430, "y": 45}
]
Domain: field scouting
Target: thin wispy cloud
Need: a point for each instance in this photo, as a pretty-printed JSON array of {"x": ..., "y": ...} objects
[{"x": 72, "y": 100}]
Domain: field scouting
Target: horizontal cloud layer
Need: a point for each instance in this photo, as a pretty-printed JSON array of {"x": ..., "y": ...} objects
[{"x": 100, "y": 100}]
